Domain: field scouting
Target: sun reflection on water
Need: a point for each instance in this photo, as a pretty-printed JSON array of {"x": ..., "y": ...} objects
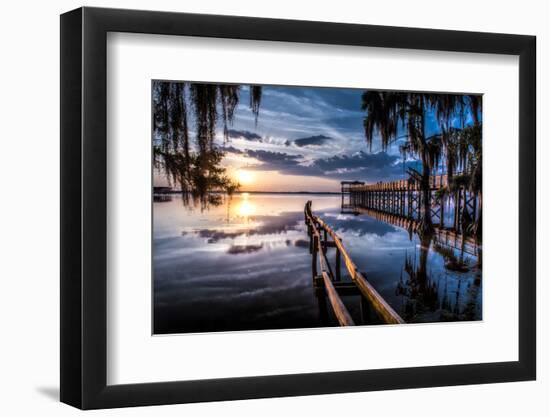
[{"x": 245, "y": 208}]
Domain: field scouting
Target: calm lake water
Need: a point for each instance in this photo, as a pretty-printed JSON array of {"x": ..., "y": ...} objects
[{"x": 245, "y": 265}]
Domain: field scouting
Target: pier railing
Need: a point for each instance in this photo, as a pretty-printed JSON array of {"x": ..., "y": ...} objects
[
  {"x": 323, "y": 237},
  {"x": 406, "y": 198},
  {"x": 435, "y": 183}
]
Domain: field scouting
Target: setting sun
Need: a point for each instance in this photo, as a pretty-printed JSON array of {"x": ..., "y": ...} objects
[{"x": 245, "y": 177}]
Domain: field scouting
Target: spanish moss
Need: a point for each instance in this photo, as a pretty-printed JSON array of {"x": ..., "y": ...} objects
[{"x": 185, "y": 120}]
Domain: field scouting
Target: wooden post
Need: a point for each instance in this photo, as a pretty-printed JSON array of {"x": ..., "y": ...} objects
[
  {"x": 365, "y": 310},
  {"x": 464, "y": 207},
  {"x": 314, "y": 257},
  {"x": 310, "y": 232},
  {"x": 338, "y": 264},
  {"x": 441, "y": 212},
  {"x": 322, "y": 302},
  {"x": 420, "y": 205},
  {"x": 409, "y": 204},
  {"x": 474, "y": 208}
]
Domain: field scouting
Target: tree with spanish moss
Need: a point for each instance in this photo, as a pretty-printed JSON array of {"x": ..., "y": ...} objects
[
  {"x": 389, "y": 113},
  {"x": 386, "y": 113},
  {"x": 462, "y": 149},
  {"x": 185, "y": 118}
]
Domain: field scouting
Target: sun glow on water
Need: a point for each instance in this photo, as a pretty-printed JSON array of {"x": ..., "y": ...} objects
[{"x": 245, "y": 208}]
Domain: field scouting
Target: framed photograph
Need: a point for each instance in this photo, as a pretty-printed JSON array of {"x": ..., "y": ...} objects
[{"x": 256, "y": 208}]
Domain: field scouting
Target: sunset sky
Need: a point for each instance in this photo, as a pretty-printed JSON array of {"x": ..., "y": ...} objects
[{"x": 306, "y": 139}]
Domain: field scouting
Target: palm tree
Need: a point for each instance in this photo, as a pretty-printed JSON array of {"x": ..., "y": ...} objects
[{"x": 193, "y": 162}]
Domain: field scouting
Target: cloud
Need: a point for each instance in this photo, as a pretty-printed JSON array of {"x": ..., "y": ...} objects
[
  {"x": 295, "y": 113},
  {"x": 231, "y": 149},
  {"x": 360, "y": 165},
  {"x": 312, "y": 140},
  {"x": 360, "y": 159},
  {"x": 363, "y": 166},
  {"x": 274, "y": 160},
  {"x": 244, "y": 134}
]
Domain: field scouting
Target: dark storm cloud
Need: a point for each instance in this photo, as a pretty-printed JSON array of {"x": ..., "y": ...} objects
[
  {"x": 244, "y": 134},
  {"x": 312, "y": 140}
]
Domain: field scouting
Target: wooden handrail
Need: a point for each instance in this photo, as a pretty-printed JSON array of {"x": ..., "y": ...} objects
[
  {"x": 386, "y": 313},
  {"x": 340, "y": 310}
]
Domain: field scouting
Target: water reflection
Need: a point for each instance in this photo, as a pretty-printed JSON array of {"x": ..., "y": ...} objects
[
  {"x": 420, "y": 293},
  {"x": 244, "y": 264},
  {"x": 245, "y": 208}
]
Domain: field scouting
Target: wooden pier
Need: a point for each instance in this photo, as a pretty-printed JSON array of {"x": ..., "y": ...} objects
[
  {"x": 404, "y": 199},
  {"x": 321, "y": 238}
]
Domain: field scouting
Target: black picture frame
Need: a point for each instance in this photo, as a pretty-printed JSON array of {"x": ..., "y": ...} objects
[{"x": 84, "y": 207}]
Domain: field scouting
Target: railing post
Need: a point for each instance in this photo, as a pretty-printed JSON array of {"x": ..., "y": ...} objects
[
  {"x": 441, "y": 212},
  {"x": 338, "y": 264},
  {"x": 365, "y": 310},
  {"x": 310, "y": 233},
  {"x": 314, "y": 257},
  {"x": 474, "y": 208}
]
